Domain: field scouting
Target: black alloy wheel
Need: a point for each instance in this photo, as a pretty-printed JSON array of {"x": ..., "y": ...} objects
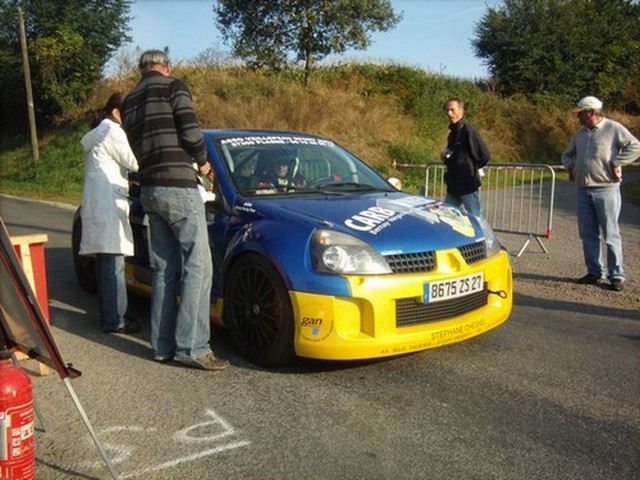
[{"x": 258, "y": 312}]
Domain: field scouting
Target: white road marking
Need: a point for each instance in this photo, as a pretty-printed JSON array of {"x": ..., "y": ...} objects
[
  {"x": 64, "y": 306},
  {"x": 121, "y": 452}
]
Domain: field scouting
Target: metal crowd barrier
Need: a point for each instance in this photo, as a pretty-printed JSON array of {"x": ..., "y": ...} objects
[{"x": 515, "y": 198}]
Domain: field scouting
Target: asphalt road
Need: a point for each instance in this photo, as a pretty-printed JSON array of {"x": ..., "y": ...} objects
[{"x": 551, "y": 394}]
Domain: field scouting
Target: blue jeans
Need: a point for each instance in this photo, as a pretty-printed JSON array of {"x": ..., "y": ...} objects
[
  {"x": 112, "y": 290},
  {"x": 470, "y": 201},
  {"x": 180, "y": 247},
  {"x": 599, "y": 210}
]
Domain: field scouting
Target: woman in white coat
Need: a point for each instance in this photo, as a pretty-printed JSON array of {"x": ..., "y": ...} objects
[{"x": 106, "y": 233}]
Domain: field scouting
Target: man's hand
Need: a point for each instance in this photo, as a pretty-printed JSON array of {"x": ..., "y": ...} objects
[
  {"x": 206, "y": 171},
  {"x": 570, "y": 168},
  {"x": 616, "y": 171}
]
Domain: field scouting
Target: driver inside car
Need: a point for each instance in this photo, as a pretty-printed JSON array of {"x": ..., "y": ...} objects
[{"x": 279, "y": 175}]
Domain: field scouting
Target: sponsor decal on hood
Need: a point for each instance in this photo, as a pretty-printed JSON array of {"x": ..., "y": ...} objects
[{"x": 375, "y": 219}]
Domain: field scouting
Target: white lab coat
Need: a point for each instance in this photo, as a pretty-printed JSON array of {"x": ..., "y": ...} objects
[{"x": 105, "y": 207}]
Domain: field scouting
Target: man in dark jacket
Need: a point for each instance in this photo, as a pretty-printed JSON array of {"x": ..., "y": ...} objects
[
  {"x": 464, "y": 157},
  {"x": 165, "y": 137}
]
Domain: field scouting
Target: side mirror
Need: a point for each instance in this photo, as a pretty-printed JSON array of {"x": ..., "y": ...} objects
[{"x": 395, "y": 183}]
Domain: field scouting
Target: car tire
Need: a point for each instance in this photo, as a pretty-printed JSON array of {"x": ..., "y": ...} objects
[
  {"x": 258, "y": 312},
  {"x": 84, "y": 266}
]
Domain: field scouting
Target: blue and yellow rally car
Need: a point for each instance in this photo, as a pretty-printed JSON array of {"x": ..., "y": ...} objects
[{"x": 316, "y": 255}]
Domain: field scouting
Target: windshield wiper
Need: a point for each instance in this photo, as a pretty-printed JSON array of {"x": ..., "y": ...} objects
[
  {"x": 350, "y": 186},
  {"x": 267, "y": 192},
  {"x": 330, "y": 189}
]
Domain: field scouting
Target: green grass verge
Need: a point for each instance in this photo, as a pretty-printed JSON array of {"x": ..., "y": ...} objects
[{"x": 58, "y": 174}]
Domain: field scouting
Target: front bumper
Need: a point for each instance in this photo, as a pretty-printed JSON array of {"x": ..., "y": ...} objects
[{"x": 373, "y": 321}]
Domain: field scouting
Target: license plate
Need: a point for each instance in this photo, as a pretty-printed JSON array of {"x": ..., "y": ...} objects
[{"x": 452, "y": 288}]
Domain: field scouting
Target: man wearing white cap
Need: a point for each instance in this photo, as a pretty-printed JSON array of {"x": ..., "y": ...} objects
[{"x": 594, "y": 158}]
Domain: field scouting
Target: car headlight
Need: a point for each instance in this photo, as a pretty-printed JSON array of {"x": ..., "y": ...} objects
[
  {"x": 491, "y": 241},
  {"x": 339, "y": 253}
]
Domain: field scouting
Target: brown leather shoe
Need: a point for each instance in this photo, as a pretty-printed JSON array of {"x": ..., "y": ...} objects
[{"x": 208, "y": 361}]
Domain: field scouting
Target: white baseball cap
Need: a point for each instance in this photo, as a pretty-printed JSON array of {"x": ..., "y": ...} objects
[{"x": 588, "y": 103}]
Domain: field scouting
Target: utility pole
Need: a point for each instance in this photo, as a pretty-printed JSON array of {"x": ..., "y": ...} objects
[{"x": 27, "y": 83}]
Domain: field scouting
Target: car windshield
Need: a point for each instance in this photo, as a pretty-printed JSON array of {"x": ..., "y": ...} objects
[{"x": 272, "y": 165}]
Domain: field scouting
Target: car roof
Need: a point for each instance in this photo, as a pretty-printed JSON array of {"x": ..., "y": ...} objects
[{"x": 246, "y": 132}]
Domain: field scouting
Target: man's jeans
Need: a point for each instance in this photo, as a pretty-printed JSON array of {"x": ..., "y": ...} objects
[
  {"x": 470, "y": 201},
  {"x": 599, "y": 210},
  {"x": 180, "y": 244},
  {"x": 112, "y": 290}
]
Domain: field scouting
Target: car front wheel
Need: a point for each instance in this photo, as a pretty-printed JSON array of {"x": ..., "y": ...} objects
[{"x": 258, "y": 312}]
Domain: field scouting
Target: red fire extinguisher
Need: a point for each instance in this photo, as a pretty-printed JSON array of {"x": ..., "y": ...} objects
[{"x": 17, "y": 452}]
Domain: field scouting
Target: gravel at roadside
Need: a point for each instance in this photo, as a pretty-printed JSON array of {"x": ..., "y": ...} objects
[{"x": 551, "y": 276}]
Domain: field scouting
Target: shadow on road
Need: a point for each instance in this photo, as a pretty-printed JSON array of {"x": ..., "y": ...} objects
[{"x": 574, "y": 307}]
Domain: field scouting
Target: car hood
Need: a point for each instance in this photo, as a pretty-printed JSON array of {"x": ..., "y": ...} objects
[{"x": 392, "y": 223}]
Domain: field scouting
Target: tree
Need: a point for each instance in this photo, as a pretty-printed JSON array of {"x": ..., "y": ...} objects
[
  {"x": 569, "y": 48},
  {"x": 272, "y": 32},
  {"x": 68, "y": 41}
]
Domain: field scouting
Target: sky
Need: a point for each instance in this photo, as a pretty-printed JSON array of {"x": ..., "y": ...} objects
[{"x": 434, "y": 35}]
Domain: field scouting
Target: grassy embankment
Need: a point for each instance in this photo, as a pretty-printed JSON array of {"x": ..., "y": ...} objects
[{"x": 382, "y": 113}]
